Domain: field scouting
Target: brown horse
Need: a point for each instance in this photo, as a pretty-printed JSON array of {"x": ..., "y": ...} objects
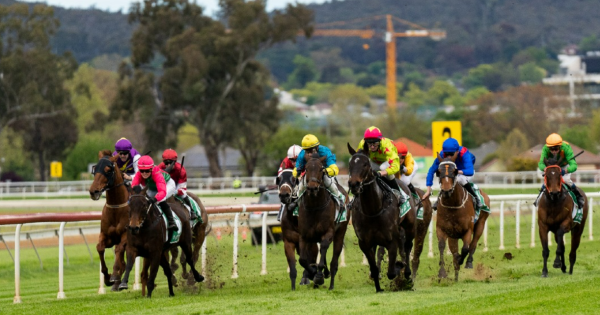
[
  {"x": 286, "y": 183},
  {"x": 554, "y": 214},
  {"x": 146, "y": 237},
  {"x": 455, "y": 216},
  {"x": 316, "y": 222},
  {"x": 108, "y": 177},
  {"x": 199, "y": 232}
]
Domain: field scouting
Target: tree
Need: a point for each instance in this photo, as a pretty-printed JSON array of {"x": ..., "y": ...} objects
[
  {"x": 33, "y": 98},
  {"x": 530, "y": 73},
  {"x": 440, "y": 92},
  {"x": 203, "y": 62},
  {"x": 304, "y": 72},
  {"x": 589, "y": 43},
  {"x": 515, "y": 143},
  {"x": 349, "y": 102}
]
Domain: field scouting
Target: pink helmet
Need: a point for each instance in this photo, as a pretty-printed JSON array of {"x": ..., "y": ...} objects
[
  {"x": 145, "y": 163},
  {"x": 293, "y": 151},
  {"x": 373, "y": 133}
]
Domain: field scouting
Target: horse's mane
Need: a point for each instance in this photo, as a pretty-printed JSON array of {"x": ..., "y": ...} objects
[
  {"x": 551, "y": 161},
  {"x": 107, "y": 153},
  {"x": 137, "y": 189}
]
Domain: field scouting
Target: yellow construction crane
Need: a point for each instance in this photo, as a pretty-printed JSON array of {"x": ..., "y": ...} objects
[{"x": 390, "y": 43}]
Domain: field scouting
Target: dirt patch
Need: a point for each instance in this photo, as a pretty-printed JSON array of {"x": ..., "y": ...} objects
[
  {"x": 482, "y": 273},
  {"x": 53, "y": 241}
]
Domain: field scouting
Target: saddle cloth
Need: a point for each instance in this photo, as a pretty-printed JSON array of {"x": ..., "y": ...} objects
[
  {"x": 577, "y": 212},
  {"x": 483, "y": 207},
  {"x": 420, "y": 210},
  {"x": 340, "y": 216},
  {"x": 176, "y": 234},
  {"x": 195, "y": 208}
]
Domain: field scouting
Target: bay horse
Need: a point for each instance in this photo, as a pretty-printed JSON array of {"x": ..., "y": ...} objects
[
  {"x": 316, "y": 222},
  {"x": 553, "y": 217},
  {"x": 113, "y": 224},
  {"x": 455, "y": 216},
  {"x": 146, "y": 237},
  {"x": 286, "y": 183},
  {"x": 199, "y": 232}
]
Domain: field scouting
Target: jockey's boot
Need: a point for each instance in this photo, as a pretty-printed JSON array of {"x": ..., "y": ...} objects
[
  {"x": 471, "y": 191},
  {"x": 580, "y": 199},
  {"x": 333, "y": 189},
  {"x": 166, "y": 209},
  {"x": 434, "y": 206},
  {"x": 394, "y": 185},
  {"x": 188, "y": 202},
  {"x": 293, "y": 204},
  {"x": 412, "y": 189},
  {"x": 539, "y": 195}
]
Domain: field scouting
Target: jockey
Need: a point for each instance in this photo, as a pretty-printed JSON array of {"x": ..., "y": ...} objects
[
  {"x": 160, "y": 187},
  {"x": 464, "y": 163},
  {"x": 289, "y": 162},
  {"x": 408, "y": 167},
  {"x": 383, "y": 155},
  {"x": 128, "y": 158},
  {"x": 557, "y": 148},
  {"x": 179, "y": 175},
  {"x": 310, "y": 146}
]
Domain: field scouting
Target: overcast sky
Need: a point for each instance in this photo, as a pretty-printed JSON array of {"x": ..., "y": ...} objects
[{"x": 115, "y": 5}]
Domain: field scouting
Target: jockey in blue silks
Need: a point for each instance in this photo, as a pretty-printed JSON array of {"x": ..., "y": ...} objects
[{"x": 464, "y": 163}]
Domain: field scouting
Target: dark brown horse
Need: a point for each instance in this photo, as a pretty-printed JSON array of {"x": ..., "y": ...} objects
[
  {"x": 286, "y": 183},
  {"x": 199, "y": 232},
  {"x": 108, "y": 177},
  {"x": 455, "y": 216},
  {"x": 316, "y": 222},
  {"x": 554, "y": 215},
  {"x": 146, "y": 237}
]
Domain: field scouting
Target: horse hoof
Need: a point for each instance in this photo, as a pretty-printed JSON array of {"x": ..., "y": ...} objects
[
  {"x": 319, "y": 280},
  {"x": 304, "y": 281},
  {"x": 326, "y": 274},
  {"x": 379, "y": 291},
  {"x": 544, "y": 275},
  {"x": 185, "y": 275},
  {"x": 198, "y": 278},
  {"x": 557, "y": 264},
  {"x": 469, "y": 265},
  {"x": 123, "y": 286},
  {"x": 113, "y": 278}
]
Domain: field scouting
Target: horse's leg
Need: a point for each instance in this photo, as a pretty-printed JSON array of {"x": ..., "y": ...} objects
[
  {"x": 370, "y": 254},
  {"x": 289, "y": 248},
  {"x": 453, "y": 244},
  {"x": 119, "y": 266},
  {"x": 164, "y": 263},
  {"x": 155, "y": 261},
  {"x": 441, "y": 236},
  {"x": 543, "y": 231},
  {"x": 186, "y": 248},
  {"x": 174, "y": 254},
  {"x": 308, "y": 255},
  {"x": 418, "y": 248},
  {"x": 393, "y": 269},
  {"x": 466, "y": 239},
  {"x": 559, "y": 262},
  {"x": 575, "y": 239},
  {"x": 103, "y": 243},
  {"x": 198, "y": 240},
  {"x": 408, "y": 245},
  {"x": 326, "y": 240},
  {"x": 131, "y": 254},
  {"x": 144, "y": 275},
  {"x": 380, "y": 254},
  {"x": 338, "y": 245},
  {"x": 479, "y": 227}
]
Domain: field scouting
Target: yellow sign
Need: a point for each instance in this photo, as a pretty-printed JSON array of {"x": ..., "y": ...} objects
[
  {"x": 442, "y": 130},
  {"x": 56, "y": 169}
]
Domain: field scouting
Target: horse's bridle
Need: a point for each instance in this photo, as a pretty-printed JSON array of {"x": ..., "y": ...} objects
[
  {"x": 286, "y": 184},
  {"x": 147, "y": 210},
  {"x": 453, "y": 177},
  {"x": 561, "y": 178},
  {"x": 110, "y": 175},
  {"x": 362, "y": 183}
]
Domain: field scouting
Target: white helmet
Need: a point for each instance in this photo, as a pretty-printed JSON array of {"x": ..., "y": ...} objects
[{"x": 293, "y": 151}]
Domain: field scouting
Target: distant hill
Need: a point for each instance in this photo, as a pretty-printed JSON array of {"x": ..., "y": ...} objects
[{"x": 479, "y": 31}]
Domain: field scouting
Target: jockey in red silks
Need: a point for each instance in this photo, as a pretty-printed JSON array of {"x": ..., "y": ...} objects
[
  {"x": 289, "y": 162},
  {"x": 178, "y": 175},
  {"x": 160, "y": 187}
]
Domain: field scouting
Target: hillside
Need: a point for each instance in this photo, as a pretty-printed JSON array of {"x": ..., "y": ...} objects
[{"x": 479, "y": 31}]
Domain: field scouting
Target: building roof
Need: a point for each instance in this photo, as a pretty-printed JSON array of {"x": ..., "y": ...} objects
[
  {"x": 414, "y": 148},
  {"x": 483, "y": 151},
  {"x": 585, "y": 158},
  {"x": 196, "y": 161}
]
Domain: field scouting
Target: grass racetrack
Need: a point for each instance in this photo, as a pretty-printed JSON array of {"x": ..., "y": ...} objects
[{"x": 495, "y": 286}]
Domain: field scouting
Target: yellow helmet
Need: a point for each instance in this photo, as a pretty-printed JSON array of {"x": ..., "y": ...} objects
[
  {"x": 309, "y": 141},
  {"x": 554, "y": 140}
]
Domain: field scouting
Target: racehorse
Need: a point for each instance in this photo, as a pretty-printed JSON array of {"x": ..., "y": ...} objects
[
  {"x": 456, "y": 216},
  {"x": 316, "y": 222},
  {"x": 147, "y": 237},
  {"x": 199, "y": 233},
  {"x": 108, "y": 177},
  {"x": 286, "y": 183},
  {"x": 554, "y": 214}
]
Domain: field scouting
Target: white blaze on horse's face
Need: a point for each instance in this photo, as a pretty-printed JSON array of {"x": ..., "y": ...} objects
[{"x": 356, "y": 160}]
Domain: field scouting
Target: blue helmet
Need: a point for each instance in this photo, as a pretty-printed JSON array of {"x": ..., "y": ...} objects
[{"x": 450, "y": 145}]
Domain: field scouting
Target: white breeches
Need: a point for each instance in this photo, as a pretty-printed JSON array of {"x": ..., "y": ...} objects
[
  {"x": 382, "y": 167},
  {"x": 329, "y": 184},
  {"x": 183, "y": 188},
  {"x": 408, "y": 178},
  {"x": 463, "y": 180},
  {"x": 171, "y": 190}
]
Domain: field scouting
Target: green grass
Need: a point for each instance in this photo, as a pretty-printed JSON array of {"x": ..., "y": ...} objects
[{"x": 497, "y": 286}]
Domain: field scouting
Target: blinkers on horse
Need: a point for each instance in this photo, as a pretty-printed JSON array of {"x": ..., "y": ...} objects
[{"x": 100, "y": 168}]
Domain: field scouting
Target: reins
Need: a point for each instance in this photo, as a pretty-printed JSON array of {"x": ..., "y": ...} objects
[{"x": 440, "y": 196}]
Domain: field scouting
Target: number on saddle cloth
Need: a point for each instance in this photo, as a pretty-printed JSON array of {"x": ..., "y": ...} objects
[{"x": 176, "y": 234}]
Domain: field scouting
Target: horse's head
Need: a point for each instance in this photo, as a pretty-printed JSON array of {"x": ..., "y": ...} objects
[
  {"x": 360, "y": 171},
  {"x": 106, "y": 174},
  {"x": 553, "y": 177},
  {"x": 447, "y": 172},
  {"x": 286, "y": 183},
  {"x": 314, "y": 173},
  {"x": 139, "y": 207}
]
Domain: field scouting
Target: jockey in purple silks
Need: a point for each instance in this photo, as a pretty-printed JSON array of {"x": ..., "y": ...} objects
[{"x": 127, "y": 160}]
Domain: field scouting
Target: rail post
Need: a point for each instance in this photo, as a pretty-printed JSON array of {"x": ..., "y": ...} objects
[
  {"x": 17, "y": 298},
  {"x": 485, "y": 236},
  {"x": 136, "y": 283},
  {"x": 590, "y": 218},
  {"x": 517, "y": 227},
  {"x": 501, "y": 225},
  {"x": 532, "y": 227},
  {"x": 236, "y": 223},
  {"x": 430, "y": 254},
  {"x": 263, "y": 270},
  {"x": 61, "y": 253},
  {"x": 101, "y": 289}
]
